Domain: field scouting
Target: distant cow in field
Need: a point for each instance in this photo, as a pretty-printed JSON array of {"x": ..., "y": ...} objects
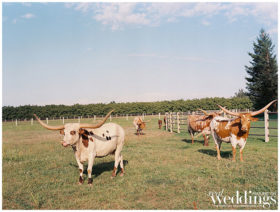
[
  {"x": 90, "y": 141},
  {"x": 159, "y": 124},
  {"x": 201, "y": 124},
  {"x": 234, "y": 131},
  {"x": 139, "y": 125}
]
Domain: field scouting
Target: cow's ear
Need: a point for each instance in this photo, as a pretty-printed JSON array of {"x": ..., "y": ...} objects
[
  {"x": 62, "y": 132},
  {"x": 254, "y": 119},
  {"x": 81, "y": 131}
]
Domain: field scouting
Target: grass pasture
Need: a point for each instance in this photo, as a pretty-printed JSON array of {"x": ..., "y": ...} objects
[{"x": 163, "y": 170}]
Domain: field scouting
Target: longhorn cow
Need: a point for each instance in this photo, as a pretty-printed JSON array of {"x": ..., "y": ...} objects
[
  {"x": 139, "y": 125},
  {"x": 201, "y": 124},
  {"x": 159, "y": 124},
  {"x": 90, "y": 141},
  {"x": 234, "y": 131}
]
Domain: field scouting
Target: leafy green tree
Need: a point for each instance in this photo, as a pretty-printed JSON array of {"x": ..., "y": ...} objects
[{"x": 262, "y": 80}]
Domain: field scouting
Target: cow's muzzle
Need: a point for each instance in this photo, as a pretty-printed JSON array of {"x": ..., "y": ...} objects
[{"x": 64, "y": 144}]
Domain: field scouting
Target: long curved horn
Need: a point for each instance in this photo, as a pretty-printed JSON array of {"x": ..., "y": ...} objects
[
  {"x": 220, "y": 112},
  {"x": 263, "y": 109},
  {"x": 60, "y": 127},
  {"x": 228, "y": 112},
  {"x": 203, "y": 111},
  {"x": 94, "y": 126}
]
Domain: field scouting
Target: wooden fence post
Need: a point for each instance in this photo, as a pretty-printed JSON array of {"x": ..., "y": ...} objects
[
  {"x": 171, "y": 122},
  {"x": 178, "y": 122},
  {"x": 166, "y": 120},
  {"x": 16, "y": 122},
  {"x": 31, "y": 121},
  {"x": 127, "y": 117},
  {"x": 47, "y": 120},
  {"x": 79, "y": 119},
  {"x": 94, "y": 117},
  {"x": 266, "y": 125}
]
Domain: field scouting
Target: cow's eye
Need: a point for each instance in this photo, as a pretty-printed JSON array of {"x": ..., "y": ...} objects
[
  {"x": 62, "y": 132},
  {"x": 73, "y": 132}
]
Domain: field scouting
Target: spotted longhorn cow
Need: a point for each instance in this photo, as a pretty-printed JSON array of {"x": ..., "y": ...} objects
[
  {"x": 201, "y": 124},
  {"x": 234, "y": 131},
  {"x": 90, "y": 141}
]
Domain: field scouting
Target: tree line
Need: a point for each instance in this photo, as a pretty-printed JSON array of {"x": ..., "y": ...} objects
[{"x": 132, "y": 108}]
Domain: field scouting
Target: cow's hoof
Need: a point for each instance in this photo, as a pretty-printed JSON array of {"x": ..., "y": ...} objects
[
  {"x": 89, "y": 181},
  {"x": 219, "y": 158},
  {"x": 90, "y": 184},
  {"x": 113, "y": 175},
  {"x": 121, "y": 174},
  {"x": 81, "y": 180}
]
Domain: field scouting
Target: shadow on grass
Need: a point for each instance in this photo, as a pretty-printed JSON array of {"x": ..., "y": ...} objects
[
  {"x": 190, "y": 141},
  {"x": 224, "y": 154},
  {"x": 140, "y": 134},
  {"x": 259, "y": 139},
  {"x": 98, "y": 169}
]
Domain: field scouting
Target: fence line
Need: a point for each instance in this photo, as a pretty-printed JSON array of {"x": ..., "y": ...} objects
[{"x": 175, "y": 121}]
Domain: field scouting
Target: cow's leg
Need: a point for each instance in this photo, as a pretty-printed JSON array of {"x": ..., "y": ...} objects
[
  {"x": 218, "y": 148},
  {"x": 117, "y": 161},
  {"x": 234, "y": 143},
  {"x": 233, "y": 153},
  {"x": 218, "y": 143},
  {"x": 90, "y": 164},
  {"x": 81, "y": 169},
  {"x": 241, "y": 152},
  {"x": 241, "y": 155},
  {"x": 218, "y": 152},
  {"x": 205, "y": 140},
  {"x": 192, "y": 137},
  {"x": 121, "y": 165}
]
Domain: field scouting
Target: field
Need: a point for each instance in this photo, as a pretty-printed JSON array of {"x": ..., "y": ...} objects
[{"x": 163, "y": 171}]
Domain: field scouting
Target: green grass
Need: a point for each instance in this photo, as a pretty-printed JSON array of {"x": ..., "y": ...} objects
[{"x": 163, "y": 170}]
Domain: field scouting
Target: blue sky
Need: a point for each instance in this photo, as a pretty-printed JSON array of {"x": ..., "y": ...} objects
[{"x": 68, "y": 53}]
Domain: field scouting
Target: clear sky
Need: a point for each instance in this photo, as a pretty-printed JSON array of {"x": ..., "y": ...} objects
[{"x": 68, "y": 53}]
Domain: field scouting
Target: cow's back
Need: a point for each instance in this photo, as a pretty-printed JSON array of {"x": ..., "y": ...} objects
[
  {"x": 107, "y": 138},
  {"x": 198, "y": 123}
]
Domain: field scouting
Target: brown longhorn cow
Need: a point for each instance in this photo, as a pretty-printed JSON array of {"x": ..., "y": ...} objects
[
  {"x": 201, "y": 124},
  {"x": 159, "y": 124},
  {"x": 234, "y": 131},
  {"x": 139, "y": 125}
]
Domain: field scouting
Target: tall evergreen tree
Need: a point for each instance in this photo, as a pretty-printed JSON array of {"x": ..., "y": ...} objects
[{"x": 262, "y": 82}]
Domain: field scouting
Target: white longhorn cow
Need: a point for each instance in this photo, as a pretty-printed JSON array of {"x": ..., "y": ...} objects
[{"x": 90, "y": 141}]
